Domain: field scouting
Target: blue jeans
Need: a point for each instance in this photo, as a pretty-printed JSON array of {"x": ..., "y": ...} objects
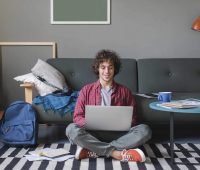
[{"x": 135, "y": 137}]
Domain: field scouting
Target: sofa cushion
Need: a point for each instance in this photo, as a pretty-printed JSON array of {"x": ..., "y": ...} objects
[
  {"x": 169, "y": 74},
  {"x": 52, "y": 117},
  {"x": 78, "y": 72}
]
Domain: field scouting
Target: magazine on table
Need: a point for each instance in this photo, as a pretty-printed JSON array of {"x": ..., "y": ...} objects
[{"x": 182, "y": 104}]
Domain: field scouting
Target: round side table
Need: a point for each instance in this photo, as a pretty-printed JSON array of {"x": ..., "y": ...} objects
[{"x": 155, "y": 106}]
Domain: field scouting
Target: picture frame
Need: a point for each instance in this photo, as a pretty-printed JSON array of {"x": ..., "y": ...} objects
[{"x": 80, "y": 11}]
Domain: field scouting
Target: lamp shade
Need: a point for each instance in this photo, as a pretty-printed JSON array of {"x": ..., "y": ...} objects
[{"x": 196, "y": 24}]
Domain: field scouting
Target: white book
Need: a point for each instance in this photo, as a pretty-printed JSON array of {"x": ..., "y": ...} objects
[{"x": 49, "y": 152}]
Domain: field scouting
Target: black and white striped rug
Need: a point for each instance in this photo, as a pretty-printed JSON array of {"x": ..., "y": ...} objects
[{"x": 158, "y": 158}]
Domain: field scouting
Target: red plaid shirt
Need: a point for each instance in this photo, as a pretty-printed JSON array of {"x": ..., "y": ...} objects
[{"x": 91, "y": 95}]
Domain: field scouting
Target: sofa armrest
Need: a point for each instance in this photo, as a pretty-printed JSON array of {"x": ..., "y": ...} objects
[{"x": 28, "y": 91}]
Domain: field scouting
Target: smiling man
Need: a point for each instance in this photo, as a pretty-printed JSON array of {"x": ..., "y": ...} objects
[{"x": 106, "y": 92}]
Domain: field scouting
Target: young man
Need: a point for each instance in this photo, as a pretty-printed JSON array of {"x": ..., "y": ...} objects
[{"x": 105, "y": 91}]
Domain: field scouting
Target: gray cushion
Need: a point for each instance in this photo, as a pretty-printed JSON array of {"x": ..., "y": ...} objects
[
  {"x": 169, "y": 74},
  {"x": 52, "y": 117},
  {"x": 78, "y": 72}
]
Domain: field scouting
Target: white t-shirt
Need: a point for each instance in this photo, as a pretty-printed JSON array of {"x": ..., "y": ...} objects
[{"x": 106, "y": 96}]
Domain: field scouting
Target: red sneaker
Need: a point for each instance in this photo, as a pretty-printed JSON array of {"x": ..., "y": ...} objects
[
  {"x": 136, "y": 155},
  {"x": 82, "y": 153}
]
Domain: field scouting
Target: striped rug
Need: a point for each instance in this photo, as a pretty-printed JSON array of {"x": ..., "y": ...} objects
[{"x": 187, "y": 156}]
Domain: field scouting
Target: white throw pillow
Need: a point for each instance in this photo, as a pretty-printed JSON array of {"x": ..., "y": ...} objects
[
  {"x": 41, "y": 87},
  {"x": 50, "y": 74}
]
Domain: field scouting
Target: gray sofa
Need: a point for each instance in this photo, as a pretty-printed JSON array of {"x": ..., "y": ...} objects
[
  {"x": 179, "y": 75},
  {"x": 78, "y": 72}
]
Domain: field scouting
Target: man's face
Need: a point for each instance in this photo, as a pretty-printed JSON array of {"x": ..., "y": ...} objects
[{"x": 106, "y": 71}]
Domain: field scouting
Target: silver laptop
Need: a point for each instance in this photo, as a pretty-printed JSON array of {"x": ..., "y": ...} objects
[{"x": 108, "y": 118}]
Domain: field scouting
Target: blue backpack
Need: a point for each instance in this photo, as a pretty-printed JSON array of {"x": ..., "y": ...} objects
[{"x": 19, "y": 126}]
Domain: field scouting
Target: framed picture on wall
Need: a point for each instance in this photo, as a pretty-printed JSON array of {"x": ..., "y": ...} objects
[{"x": 80, "y": 11}]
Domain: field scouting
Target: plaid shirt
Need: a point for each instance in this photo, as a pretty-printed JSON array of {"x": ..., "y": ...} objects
[{"x": 91, "y": 95}]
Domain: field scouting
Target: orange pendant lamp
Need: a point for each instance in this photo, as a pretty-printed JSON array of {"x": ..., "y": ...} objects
[{"x": 196, "y": 24}]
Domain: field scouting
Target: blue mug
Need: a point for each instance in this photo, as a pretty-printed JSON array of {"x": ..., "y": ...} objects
[{"x": 164, "y": 96}]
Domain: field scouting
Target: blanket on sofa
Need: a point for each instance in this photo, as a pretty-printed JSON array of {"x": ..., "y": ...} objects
[{"x": 58, "y": 102}]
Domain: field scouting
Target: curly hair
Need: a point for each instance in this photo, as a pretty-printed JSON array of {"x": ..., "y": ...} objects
[{"x": 107, "y": 55}]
